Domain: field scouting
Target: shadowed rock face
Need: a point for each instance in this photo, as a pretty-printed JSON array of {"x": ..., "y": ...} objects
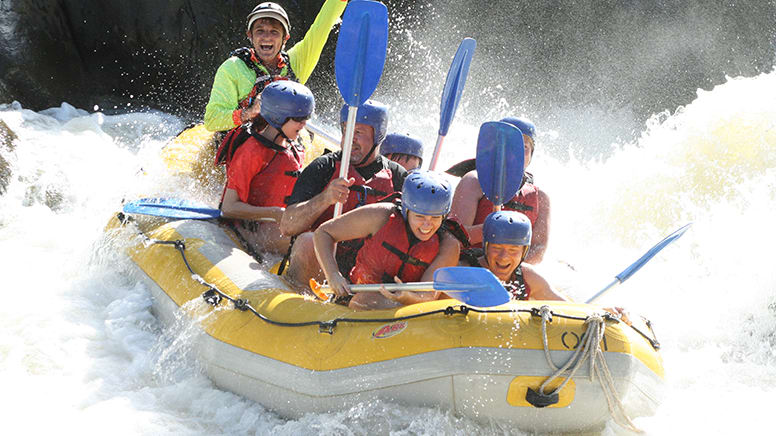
[
  {"x": 560, "y": 62},
  {"x": 108, "y": 52}
]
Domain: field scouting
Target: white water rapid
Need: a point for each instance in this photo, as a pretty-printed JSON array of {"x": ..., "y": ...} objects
[{"x": 80, "y": 350}]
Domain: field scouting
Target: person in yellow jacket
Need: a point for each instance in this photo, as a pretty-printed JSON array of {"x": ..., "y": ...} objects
[{"x": 241, "y": 78}]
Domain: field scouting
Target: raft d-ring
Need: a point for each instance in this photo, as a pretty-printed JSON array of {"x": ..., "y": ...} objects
[
  {"x": 212, "y": 297},
  {"x": 327, "y": 327},
  {"x": 241, "y": 304}
]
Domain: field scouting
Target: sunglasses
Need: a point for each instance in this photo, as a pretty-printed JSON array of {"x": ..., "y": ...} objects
[{"x": 300, "y": 119}]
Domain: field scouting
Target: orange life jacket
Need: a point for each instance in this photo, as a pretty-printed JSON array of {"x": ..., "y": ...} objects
[{"x": 394, "y": 251}]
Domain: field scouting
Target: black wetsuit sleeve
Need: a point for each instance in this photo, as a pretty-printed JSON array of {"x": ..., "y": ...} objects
[
  {"x": 399, "y": 174},
  {"x": 313, "y": 179}
]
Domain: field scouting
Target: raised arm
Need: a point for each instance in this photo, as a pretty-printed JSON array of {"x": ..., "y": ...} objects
[{"x": 305, "y": 54}]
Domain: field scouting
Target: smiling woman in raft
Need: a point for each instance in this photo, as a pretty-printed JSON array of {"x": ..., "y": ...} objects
[{"x": 404, "y": 243}]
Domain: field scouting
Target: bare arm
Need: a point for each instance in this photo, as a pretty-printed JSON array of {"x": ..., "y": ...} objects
[
  {"x": 541, "y": 230},
  {"x": 464, "y": 209},
  {"x": 358, "y": 223},
  {"x": 540, "y": 287},
  {"x": 232, "y": 207},
  {"x": 300, "y": 217}
]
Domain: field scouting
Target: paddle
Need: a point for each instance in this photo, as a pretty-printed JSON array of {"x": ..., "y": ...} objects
[
  {"x": 171, "y": 208},
  {"x": 635, "y": 266},
  {"x": 499, "y": 162},
  {"x": 451, "y": 93},
  {"x": 175, "y": 208},
  {"x": 474, "y": 286},
  {"x": 358, "y": 64}
]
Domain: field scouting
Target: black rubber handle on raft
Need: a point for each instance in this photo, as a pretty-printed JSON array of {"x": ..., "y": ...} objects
[{"x": 541, "y": 400}]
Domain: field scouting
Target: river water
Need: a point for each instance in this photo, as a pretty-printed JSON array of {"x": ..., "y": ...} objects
[{"x": 81, "y": 351}]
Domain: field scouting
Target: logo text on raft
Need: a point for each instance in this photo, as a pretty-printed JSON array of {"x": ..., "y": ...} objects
[{"x": 388, "y": 330}]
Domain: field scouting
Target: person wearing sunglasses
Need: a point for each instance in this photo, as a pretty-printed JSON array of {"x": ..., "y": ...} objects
[
  {"x": 262, "y": 166},
  {"x": 239, "y": 81}
]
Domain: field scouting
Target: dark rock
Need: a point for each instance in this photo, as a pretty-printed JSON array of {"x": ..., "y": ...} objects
[{"x": 608, "y": 63}]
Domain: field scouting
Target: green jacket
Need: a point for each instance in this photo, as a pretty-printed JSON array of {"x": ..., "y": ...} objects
[{"x": 234, "y": 80}]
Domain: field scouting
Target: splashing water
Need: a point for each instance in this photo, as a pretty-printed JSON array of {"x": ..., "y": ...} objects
[{"x": 80, "y": 345}]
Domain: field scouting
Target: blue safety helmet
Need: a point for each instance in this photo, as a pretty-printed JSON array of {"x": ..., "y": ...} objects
[
  {"x": 284, "y": 99},
  {"x": 402, "y": 143},
  {"x": 426, "y": 193},
  {"x": 507, "y": 227},
  {"x": 524, "y": 124},
  {"x": 371, "y": 113}
]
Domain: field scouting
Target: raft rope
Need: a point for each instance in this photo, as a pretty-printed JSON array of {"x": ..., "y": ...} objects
[
  {"x": 588, "y": 349},
  {"x": 214, "y": 296}
]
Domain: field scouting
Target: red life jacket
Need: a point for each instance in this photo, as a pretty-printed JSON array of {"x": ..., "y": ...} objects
[
  {"x": 361, "y": 192},
  {"x": 272, "y": 185},
  {"x": 390, "y": 253},
  {"x": 526, "y": 201}
]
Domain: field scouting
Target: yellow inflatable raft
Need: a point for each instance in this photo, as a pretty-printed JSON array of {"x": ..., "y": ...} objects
[{"x": 296, "y": 355}]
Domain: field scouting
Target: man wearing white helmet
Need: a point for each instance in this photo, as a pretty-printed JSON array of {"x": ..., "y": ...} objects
[{"x": 234, "y": 98}]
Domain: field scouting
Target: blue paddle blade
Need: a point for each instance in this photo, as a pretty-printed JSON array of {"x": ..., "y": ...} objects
[
  {"x": 171, "y": 208},
  {"x": 361, "y": 46},
  {"x": 474, "y": 286},
  {"x": 629, "y": 271},
  {"x": 500, "y": 158},
  {"x": 455, "y": 82}
]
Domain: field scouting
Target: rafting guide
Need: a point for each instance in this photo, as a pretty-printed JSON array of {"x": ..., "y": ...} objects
[{"x": 234, "y": 98}]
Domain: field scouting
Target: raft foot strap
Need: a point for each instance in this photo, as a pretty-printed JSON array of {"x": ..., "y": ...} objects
[{"x": 452, "y": 310}]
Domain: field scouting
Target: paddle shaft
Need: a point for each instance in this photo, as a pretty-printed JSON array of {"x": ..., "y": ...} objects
[
  {"x": 415, "y": 287},
  {"x": 603, "y": 291},
  {"x": 640, "y": 262},
  {"x": 347, "y": 146},
  {"x": 437, "y": 151},
  {"x": 451, "y": 92}
]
